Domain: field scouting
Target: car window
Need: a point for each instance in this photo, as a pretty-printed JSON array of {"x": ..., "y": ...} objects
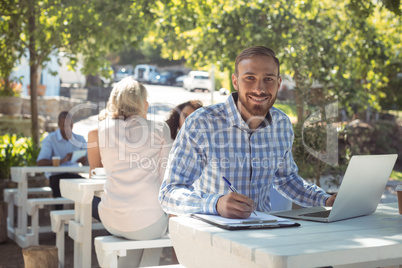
[{"x": 201, "y": 77}]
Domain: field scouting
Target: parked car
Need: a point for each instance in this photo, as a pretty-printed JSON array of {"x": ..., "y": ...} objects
[
  {"x": 197, "y": 80},
  {"x": 179, "y": 80},
  {"x": 122, "y": 73},
  {"x": 145, "y": 73},
  {"x": 168, "y": 77}
]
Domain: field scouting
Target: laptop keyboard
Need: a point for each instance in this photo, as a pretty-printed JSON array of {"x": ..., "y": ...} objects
[{"x": 319, "y": 214}]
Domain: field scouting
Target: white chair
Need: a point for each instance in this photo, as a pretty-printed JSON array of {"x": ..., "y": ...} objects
[
  {"x": 109, "y": 248},
  {"x": 9, "y": 198},
  {"x": 34, "y": 205},
  {"x": 60, "y": 218}
]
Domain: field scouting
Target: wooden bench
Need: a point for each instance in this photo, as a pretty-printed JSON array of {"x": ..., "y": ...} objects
[
  {"x": 109, "y": 248},
  {"x": 9, "y": 198},
  {"x": 33, "y": 206}
]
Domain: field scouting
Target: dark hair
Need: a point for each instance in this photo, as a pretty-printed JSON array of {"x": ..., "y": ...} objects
[
  {"x": 174, "y": 118},
  {"x": 254, "y": 51},
  {"x": 64, "y": 115}
]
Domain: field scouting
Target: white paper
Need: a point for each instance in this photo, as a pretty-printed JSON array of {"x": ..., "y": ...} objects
[
  {"x": 77, "y": 155},
  {"x": 260, "y": 218}
]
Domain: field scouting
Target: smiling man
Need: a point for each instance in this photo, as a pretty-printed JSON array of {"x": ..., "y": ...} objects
[{"x": 247, "y": 141}]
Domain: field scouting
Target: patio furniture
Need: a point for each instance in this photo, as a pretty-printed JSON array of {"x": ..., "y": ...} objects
[
  {"x": 19, "y": 175},
  {"x": 109, "y": 248},
  {"x": 370, "y": 241}
]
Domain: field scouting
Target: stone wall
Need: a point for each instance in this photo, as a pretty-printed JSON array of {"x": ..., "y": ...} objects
[{"x": 50, "y": 107}]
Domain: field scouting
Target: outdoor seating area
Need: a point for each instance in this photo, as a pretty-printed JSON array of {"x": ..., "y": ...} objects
[
  {"x": 198, "y": 134},
  {"x": 76, "y": 224}
]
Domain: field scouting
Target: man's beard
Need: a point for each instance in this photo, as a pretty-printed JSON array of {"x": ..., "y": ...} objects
[{"x": 255, "y": 109}]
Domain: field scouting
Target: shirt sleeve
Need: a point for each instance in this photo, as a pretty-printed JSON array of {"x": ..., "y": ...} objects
[
  {"x": 185, "y": 166},
  {"x": 289, "y": 183},
  {"x": 46, "y": 150}
]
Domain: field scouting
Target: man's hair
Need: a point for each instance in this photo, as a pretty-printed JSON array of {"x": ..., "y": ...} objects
[
  {"x": 64, "y": 115},
  {"x": 255, "y": 51},
  {"x": 127, "y": 99}
]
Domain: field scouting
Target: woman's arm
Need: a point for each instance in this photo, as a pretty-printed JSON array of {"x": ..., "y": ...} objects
[{"x": 94, "y": 157}]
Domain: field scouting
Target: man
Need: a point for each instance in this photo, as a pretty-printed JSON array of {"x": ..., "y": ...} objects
[
  {"x": 62, "y": 142},
  {"x": 245, "y": 140}
]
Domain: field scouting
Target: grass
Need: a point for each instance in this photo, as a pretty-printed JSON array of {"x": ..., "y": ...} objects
[
  {"x": 288, "y": 109},
  {"x": 396, "y": 175}
]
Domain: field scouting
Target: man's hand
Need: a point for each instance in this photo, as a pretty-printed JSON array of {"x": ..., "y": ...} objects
[
  {"x": 83, "y": 160},
  {"x": 330, "y": 201},
  {"x": 66, "y": 158},
  {"x": 235, "y": 205}
]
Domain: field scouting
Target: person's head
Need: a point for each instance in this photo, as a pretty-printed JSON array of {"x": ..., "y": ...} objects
[
  {"x": 179, "y": 114},
  {"x": 257, "y": 79},
  {"x": 65, "y": 123},
  {"x": 128, "y": 98}
]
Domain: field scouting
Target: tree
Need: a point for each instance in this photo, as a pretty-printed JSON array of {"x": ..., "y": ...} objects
[
  {"x": 327, "y": 42},
  {"x": 340, "y": 45},
  {"x": 88, "y": 28}
]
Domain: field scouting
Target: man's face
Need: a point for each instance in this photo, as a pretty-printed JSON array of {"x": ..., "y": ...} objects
[
  {"x": 257, "y": 83},
  {"x": 66, "y": 128}
]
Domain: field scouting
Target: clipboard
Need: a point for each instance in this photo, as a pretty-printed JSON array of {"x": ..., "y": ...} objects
[{"x": 261, "y": 221}]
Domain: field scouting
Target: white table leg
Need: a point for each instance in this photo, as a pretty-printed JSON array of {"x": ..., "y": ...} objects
[
  {"x": 22, "y": 195},
  {"x": 81, "y": 231}
]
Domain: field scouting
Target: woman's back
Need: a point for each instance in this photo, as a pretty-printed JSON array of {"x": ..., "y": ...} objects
[{"x": 134, "y": 153}]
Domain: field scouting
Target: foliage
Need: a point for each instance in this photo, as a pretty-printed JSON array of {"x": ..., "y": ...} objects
[
  {"x": 381, "y": 137},
  {"x": 344, "y": 46},
  {"x": 90, "y": 28},
  {"x": 396, "y": 175},
  {"x": 16, "y": 151},
  {"x": 288, "y": 108}
]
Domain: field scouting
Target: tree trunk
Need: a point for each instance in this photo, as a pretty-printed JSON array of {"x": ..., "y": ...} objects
[
  {"x": 299, "y": 99},
  {"x": 33, "y": 64},
  {"x": 3, "y": 222},
  {"x": 40, "y": 256}
]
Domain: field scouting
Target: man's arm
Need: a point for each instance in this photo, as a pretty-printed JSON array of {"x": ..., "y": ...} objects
[
  {"x": 292, "y": 185},
  {"x": 186, "y": 163},
  {"x": 49, "y": 162}
]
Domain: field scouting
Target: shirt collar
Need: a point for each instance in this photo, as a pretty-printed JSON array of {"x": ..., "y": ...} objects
[
  {"x": 234, "y": 117},
  {"x": 58, "y": 135}
]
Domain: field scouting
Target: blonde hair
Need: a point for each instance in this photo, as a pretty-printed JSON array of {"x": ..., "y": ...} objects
[{"x": 127, "y": 99}]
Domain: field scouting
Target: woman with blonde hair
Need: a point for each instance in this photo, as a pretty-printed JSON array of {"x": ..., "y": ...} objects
[{"x": 133, "y": 152}]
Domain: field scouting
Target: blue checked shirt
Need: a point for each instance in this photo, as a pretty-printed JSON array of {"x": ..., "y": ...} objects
[{"x": 214, "y": 142}]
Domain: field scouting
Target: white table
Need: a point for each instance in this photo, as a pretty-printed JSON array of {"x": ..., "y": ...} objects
[
  {"x": 20, "y": 176},
  {"x": 81, "y": 191},
  {"x": 369, "y": 241}
]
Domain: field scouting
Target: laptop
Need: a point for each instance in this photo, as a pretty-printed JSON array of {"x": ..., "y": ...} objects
[{"x": 359, "y": 194}]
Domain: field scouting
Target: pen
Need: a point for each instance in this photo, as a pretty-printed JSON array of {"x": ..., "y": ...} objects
[
  {"x": 259, "y": 221},
  {"x": 233, "y": 189}
]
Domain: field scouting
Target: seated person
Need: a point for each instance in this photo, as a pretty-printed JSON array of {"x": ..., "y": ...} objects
[
  {"x": 133, "y": 152},
  {"x": 179, "y": 114},
  {"x": 246, "y": 140},
  {"x": 62, "y": 142}
]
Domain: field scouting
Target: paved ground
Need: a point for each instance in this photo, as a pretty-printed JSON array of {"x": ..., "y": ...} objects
[{"x": 11, "y": 253}]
